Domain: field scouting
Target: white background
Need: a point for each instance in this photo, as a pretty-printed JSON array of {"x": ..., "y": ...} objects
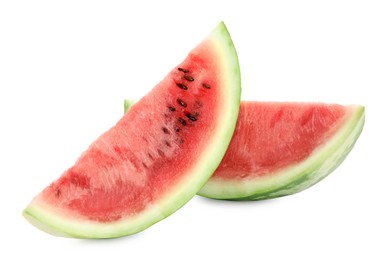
[{"x": 66, "y": 67}]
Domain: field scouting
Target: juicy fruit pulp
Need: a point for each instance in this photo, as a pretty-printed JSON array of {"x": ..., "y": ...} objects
[
  {"x": 156, "y": 157},
  {"x": 281, "y": 148}
]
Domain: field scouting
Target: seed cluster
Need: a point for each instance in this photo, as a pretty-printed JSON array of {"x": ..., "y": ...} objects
[
  {"x": 187, "y": 77},
  {"x": 185, "y": 83}
]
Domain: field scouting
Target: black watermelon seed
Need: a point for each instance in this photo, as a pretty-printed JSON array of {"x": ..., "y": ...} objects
[
  {"x": 191, "y": 117},
  {"x": 182, "y": 121},
  {"x": 188, "y": 77},
  {"x": 184, "y": 87},
  {"x": 177, "y": 130},
  {"x": 181, "y": 102},
  {"x": 183, "y": 70},
  {"x": 165, "y": 130},
  {"x": 172, "y": 109},
  {"x": 206, "y": 86}
]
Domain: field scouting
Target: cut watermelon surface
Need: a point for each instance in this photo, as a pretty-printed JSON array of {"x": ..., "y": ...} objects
[
  {"x": 281, "y": 148},
  {"x": 156, "y": 158}
]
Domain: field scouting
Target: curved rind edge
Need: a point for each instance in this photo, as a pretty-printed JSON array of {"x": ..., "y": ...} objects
[
  {"x": 48, "y": 220},
  {"x": 297, "y": 178}
]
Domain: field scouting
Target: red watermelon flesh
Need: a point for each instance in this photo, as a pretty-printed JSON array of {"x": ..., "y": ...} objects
[
  {"x": 281, "y": 148},
  {"x": 271, "y": 136},
  {"x": 156, "y": 157}
]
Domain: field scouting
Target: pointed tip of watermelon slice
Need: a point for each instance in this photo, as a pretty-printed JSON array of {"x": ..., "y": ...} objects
[
  {"x": 44, "y": 226},
  {"x": 65, "y": 224}
]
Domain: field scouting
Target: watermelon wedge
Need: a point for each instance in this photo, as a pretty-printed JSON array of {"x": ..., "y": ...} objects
[
  {"x": 156, "y": 158},
  {"x": 281, "y": 148}
]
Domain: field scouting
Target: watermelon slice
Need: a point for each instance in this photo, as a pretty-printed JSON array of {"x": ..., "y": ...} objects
[
  {"x": 282, "y": 148},
  {"x": 156, "y": 158},
  {"x": 279, "y": 149}
]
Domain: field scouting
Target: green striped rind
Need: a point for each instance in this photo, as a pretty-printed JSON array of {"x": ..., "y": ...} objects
[
  {"x": 59, "y": 223},
  {"x": 296, "y": 178}
]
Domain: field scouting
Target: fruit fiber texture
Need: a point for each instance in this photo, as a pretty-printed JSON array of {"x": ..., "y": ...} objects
[{"x": 156, "y": 158}]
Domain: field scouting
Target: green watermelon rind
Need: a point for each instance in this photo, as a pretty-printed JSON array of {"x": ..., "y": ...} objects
[
  {"x": 127, "y": 104},
  {"x": 61, "y": 224},
  {"x": 298, "y": 177}
]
